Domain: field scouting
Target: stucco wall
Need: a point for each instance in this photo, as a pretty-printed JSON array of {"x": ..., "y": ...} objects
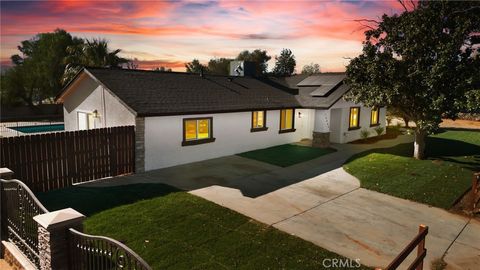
[
  {"x": 163, "y": 137},
  {"x": 336, "y": 125},
  {"x": 322, "y": 121},
  {"x": 341, "y": 134},
  {"x": 90, "y": 96}
]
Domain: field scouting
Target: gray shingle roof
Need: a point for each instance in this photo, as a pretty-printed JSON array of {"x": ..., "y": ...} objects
[
  {"x": 318, "y": 90},
  {"x": 168, "y": 93}
]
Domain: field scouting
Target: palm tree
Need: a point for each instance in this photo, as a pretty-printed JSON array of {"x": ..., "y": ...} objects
[{"x": 91, "y": 53}]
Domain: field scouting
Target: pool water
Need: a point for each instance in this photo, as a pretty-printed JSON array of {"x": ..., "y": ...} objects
[{"x": 39, "y": 128}]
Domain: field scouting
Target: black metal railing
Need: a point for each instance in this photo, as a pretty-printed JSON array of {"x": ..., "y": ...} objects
[
  {"x": 19, "y": 206},
  {"x": 99, "y": 253}
]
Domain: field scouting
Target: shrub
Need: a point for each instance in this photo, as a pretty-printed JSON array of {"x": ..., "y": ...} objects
[
  {"x": 364, "y": 133},
  {"x": 389, "y": 120},
  {"x": 379, "y": 130}
]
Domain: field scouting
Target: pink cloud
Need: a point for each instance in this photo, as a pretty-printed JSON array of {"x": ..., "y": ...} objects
[{"x": 222, "y": 27}]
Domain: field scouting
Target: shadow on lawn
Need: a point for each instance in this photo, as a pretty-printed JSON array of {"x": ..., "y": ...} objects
[
  {"x": 449, "y": 150},
  {"x": 91, "y": 200}
]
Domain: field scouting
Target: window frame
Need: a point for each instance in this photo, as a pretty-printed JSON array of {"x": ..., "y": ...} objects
[
  {"x": 210, "y": 139},
  {"x": 378, "y": 117},
  {"x": 90, "y": 120},
  {"x": 256, "y": 129},
  {"x": 280, "y": 130},
  {"x": 350, "y": 117}
]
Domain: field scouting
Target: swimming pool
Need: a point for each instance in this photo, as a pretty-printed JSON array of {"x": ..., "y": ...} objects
[{"x": 39, "y": 128}]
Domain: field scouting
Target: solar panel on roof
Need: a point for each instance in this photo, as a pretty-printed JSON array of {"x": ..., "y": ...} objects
[
  {"x": 318, "y": 80},
  {"x": 322, "y": 90}
]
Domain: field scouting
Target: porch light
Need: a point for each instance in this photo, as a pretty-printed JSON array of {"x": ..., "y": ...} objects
[
  {"x": 95, "y": 114},
  {"x": 299, "y": 115}
]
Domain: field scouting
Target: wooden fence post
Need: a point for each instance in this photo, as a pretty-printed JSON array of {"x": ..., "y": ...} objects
[
  {"x": 475, "y": 183},
  {"x": 421, "y": 246}
]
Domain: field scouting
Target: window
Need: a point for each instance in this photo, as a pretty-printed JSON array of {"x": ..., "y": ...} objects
[
  {"x": 374, "y": 116},
  {"x": 197, "y": 131},
  {"x": 354, "y": 118},
  {"x": 259, "y": 121},
  {"x": 287, "y": 120},
  {"x": 85, "y": 121}
]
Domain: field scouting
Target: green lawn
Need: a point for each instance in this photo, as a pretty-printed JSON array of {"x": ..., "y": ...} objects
[
  {"x": 177, "y": 230},
  {"x": 287, "y": 154},
  {"x": 91, "y": 200},
  {"x": 439, "y": 180}
]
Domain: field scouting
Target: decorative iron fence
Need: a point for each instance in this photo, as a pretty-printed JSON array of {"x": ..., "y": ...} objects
[
  {"x": 18, "y": 207},
  {"x": 99, "y": 253}
]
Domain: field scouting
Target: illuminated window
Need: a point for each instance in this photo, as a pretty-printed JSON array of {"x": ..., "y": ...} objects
[
  {"x": 286, "y": 120},
  {"x": 196, "y": 131},
  {"x": 374, "y": 115},
  {"x": 354, "y": 117},
  {"x": 259, "y": 120}
]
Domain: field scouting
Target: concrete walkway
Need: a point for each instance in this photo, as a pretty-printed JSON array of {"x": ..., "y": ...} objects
[{"x": 319, "y": 202}]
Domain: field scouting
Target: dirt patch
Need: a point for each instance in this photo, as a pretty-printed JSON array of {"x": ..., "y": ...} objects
[
  {"x": 392, "y": 133},
  {"x": 438, "y": 264},
  {"x": 437, "y": 161},
  {"x": 464, "y": 206},
  {"x": 460, "y": 123}
]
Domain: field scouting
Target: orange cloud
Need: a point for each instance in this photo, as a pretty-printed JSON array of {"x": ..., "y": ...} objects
[
  {"x": 152, "y": 64},
  {"x": 200, "y": 29}
]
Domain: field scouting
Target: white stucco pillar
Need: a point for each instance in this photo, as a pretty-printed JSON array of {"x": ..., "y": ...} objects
[
  {"x": 321, "y": 131},
  {"x": 322, "y": 121}
]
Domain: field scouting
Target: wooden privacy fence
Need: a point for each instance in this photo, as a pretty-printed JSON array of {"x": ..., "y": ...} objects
[{"x": 56, "y": 160}]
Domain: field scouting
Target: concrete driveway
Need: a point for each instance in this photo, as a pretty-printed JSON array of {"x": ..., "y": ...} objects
[
  {"x": 332, "y": 211},
  {"x": 319, "y": 202}
]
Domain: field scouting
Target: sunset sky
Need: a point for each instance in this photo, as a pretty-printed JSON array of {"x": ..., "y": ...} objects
[{"x": 170, "y": 33}]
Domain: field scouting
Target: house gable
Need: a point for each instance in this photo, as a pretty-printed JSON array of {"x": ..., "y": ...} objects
[{"x": 88, "y": 96}]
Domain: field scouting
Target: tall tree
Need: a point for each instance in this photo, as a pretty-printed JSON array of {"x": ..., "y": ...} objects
[
  {"x": 37, "y": 73},
  {"x": 260, "y": 57},
  {"x": 17, "y": 88},
  {"x": 195, "y": 67},
  {"x": 220, "y": 66},
  {"x": 162, "y": 69},
  {"x": 91, "y": 53},
  {"x": 311, "y": 68},
  {"x": 421, "y": 62},
  {"x": 285, "y": 63}
]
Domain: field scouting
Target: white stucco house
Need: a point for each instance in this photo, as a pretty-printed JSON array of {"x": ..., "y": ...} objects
[{"x": 184, "y": 117}]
